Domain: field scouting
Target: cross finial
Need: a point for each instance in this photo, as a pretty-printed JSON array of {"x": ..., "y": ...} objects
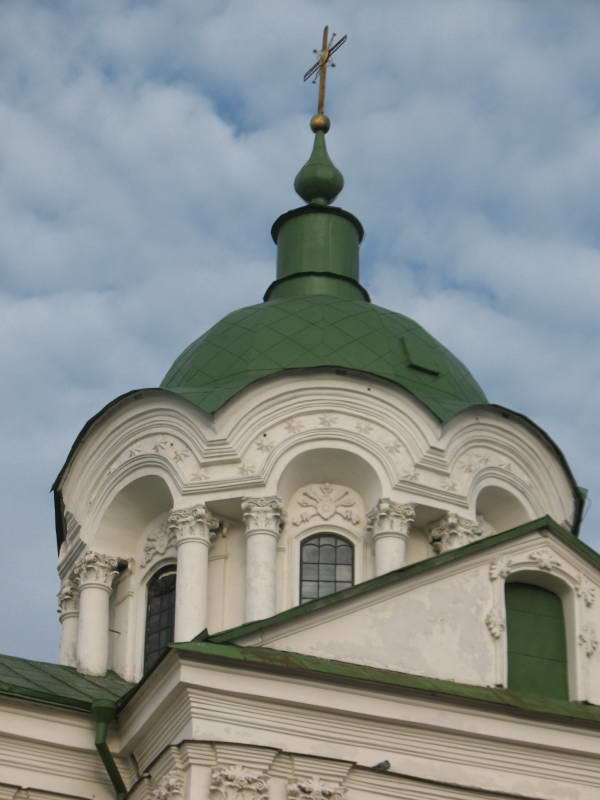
[{"x": 320, "y": 121}]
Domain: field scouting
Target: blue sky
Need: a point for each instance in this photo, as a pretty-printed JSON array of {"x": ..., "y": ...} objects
[{"x": 148, "y": 147}]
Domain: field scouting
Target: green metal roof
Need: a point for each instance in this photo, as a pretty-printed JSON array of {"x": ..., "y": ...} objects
[
  {"x": 319, "y": 331},
  {"x": 56, "y": 684},
  {"x": 317, "y": 668}
]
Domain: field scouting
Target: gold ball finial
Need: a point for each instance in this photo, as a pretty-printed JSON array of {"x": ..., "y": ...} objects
[{"x": 320, "y": 122}]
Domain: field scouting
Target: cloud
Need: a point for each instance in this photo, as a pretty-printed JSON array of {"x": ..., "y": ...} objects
[{"x": 148, "y": 147}]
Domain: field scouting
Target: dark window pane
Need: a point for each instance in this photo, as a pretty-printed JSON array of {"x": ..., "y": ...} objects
[
  {"x": 310, "y": 572},
  {"x": 310, "y": 554},
  {"x": 160, "y": 615},
  {"x": 340, "y": 586},
  {"x": 326, "y": 588},
  {"x": 327, "y": 555},
  {"x": 343, "y": 573},
  {"x": 310, "y": 589},
  {"x": 327, "y": 540},
  {"x": 344, "y": 555},
  {"x": 327, "y": 572}
]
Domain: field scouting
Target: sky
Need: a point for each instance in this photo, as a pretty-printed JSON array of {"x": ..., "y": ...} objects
[{"x": 147, "y": 147}]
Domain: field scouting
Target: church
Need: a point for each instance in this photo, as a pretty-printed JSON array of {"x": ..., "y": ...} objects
[{"x": 316, "y": 563}]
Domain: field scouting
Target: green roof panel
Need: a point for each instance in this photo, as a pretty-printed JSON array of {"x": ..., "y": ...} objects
[{"x": 321, "y": 331}]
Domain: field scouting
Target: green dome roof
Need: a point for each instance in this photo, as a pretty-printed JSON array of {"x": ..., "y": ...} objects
[
  {"x": 321, "y": 331},
  {"x": 316, "y": 315}
]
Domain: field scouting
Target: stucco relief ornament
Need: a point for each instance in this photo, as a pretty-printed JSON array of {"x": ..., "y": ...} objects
[
  {"x": 263, "y": 513},
  {"x": 246, "y": 469},
  {"x": 158, "y": 543},
  {"x": 544, "y": 559},
  {"x": 326, "y": 502},
  {"x": 585, "y": 590},
  {"x": 390, "y": 517},
  {"x": 96, "y": 568},
  {"x": 315, "y": 789},
  {"x": 453, "y": 531},
  {"x": 500, "y": 568},
  {"x": 264, "y": 444},
  {"x": 364, "y": 427},
  {"x": 169, "y": 787},
  {"x": 328, "y": 420},
  {"x": 495, "y": 624},
  {"x": 193, "y": 523},
  {"x": 294, "y": 425},
  {"x": 238, "y": 783},
  {"x": 588, "y": 639}
]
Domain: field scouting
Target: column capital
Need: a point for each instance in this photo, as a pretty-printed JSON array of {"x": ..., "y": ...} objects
[
  {"x": 263, "y": 515},
  {"x": 95, "y": 569},
  {"x": 389, "y": 518},
  {"x": 193, "y": 524},
  {"x": 68, "y": 596},
  {"x": 314, "y": 789}
]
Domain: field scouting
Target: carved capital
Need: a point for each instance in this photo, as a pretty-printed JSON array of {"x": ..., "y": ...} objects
[
  {"x": 169, "y": 787},
  {"x": 495, "y": 623},
  {"x": 453, "y": 531},
  {"x": 238, "y": 783},
  {"x": 96, "y": 569},
  {"x": 68, "y": 596},
  {"x": 315, "y": 789},
  {"x": 263, "y": 515},
  {"x": 193, "y": 524},
  {"x": 390, "y": 518}
]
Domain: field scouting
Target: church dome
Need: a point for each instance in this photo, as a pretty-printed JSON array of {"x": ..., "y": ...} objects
[
  {"x": 321, "y": 331},
  {"x": 316, "y": 315}
]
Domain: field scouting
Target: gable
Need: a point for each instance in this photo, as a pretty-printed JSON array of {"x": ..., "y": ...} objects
[{"x": 445, "y": 618}]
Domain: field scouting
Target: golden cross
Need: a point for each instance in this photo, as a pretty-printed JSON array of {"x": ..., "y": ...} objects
[{"x": 320, "y": 66}]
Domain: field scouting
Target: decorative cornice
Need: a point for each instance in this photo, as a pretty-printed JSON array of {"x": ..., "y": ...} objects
[
  {"x": 193, "y": 524},
  {"x": 454, "y": 531},
  {"x": 315, "y": 789},
  {"x": 237, "y": 782},
  {"x": 95, "y": 569},
  {"x": 390, "y": 518},
  {"x": 263, "y": 515},
  {"x": 326, "y": 501},
  {"x": 169, "y": 787}
]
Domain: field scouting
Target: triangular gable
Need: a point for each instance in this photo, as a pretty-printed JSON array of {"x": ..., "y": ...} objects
[{"x": 442, "y": 617}]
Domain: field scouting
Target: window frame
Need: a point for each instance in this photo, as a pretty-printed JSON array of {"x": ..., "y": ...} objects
[
  {"x": 163, "y": 569},
  {"x": 313, "y": 535}
]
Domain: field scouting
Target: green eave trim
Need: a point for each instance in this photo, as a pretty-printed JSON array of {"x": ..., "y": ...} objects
[
  {"x": 315, "y": 668},
  {"x": 404, "y": 573}
]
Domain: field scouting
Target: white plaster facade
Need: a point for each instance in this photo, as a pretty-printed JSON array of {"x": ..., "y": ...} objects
[{"x": 229, "y": 501}]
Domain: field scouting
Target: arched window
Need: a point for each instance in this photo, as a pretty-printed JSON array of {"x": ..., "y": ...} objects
[
  {"x": 160, "y": 615},
  {"x": 537, "y": 652},
  {"x": 326, "y": 566}
]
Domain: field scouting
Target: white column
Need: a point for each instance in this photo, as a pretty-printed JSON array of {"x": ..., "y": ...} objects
[
  {"x": 389, "y": 525},
  {"x": 194, "y": 530},
  {"x": 68, "y": 610},
  {"x": 96, "y": 573},
  {"x": 263, "y": 518}
]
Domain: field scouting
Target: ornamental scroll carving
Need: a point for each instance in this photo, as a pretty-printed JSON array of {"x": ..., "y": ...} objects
[
  {"x": 193, "y": 524},
  {"x": 238, "y": 783},
  {"x": 326, "y": 502},
  {"x": 96, "y": 568},
  {"x": 454, "y": 531},
  {"x": 389, "y": 517},
  {"x": 264, "y": 514},
  {"x": 169, "y": 787},
  {"x": 315, "y": 789}
]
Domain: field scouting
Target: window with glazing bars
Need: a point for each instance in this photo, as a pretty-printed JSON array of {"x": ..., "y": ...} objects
[
  {"x": 160, "y": 615},
  {"x": 326, "y": 566}
]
